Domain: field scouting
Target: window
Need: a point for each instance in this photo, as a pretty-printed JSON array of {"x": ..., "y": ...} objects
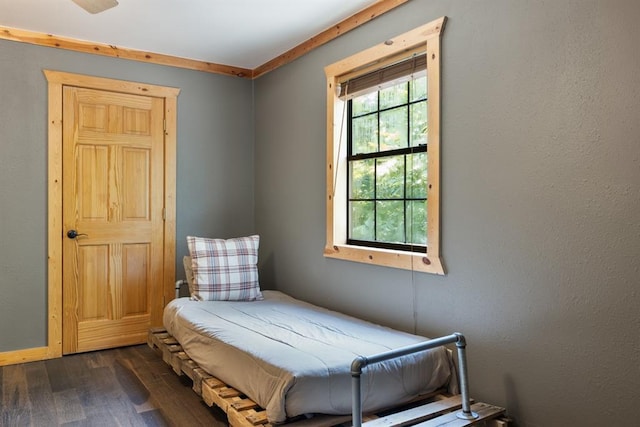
[
  {"x": 383, "y": 123},
  {"x": 387, "y": 167}
]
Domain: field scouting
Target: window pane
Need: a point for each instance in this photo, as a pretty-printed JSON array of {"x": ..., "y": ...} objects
[
  {"x": 366, "y": 103},
  {"x": 418, "y": 89},
  {"x": 417, "y": 176},
  {"x": 390, "y": 177},
  {"x": 419, "y": 123},
  {"x": 394, "y": 95},
  {"x": 390, "y": 222},
  {"x": 417, "y": 223},
  {"x": 362, "y": 176},
  {"x": 393, "y": 129},
  {"x": 361, "y": 225},
  {"x": 365, "y": 134},
  {"x": 388, "y": 193}
]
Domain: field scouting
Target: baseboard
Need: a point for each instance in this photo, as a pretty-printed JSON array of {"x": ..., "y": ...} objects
[{"x": 26, "y": 355}]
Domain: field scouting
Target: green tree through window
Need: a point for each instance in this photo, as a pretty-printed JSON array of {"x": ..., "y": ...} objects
[{"x": 387, "y": 174}]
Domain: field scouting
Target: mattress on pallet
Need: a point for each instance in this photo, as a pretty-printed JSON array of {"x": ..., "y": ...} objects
[{"x": 293, "y": 358}]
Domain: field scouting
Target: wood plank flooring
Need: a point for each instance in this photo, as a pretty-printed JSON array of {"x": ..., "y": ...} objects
[{"x": 128, "y": 386}]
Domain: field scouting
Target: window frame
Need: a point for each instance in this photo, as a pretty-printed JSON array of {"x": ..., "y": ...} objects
[
  {"x": 379, "y": 155},
  {"x": 426, "y": 38}
]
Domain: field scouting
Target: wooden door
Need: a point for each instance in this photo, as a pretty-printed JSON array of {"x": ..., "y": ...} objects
[{"x": 113, "y": 180}]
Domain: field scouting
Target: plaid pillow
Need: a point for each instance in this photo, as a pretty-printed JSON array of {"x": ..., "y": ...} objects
[{"x": 225, "y": 270}]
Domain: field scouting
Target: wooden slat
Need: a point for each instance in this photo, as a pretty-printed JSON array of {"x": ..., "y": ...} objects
[
  {"x": 244, "y": 404},
  {"x": 321, "y": 420},
  {"x": 212, "y": 397},
  {"x": 170, "y": 346},
  {"x": 485, "y": 412},
  {"x": 258, "y": 417},
  {"x": 188, "y": 367},
  {"x": 418, "y": 414},
  {"x": 214, "y": 383},
  {"x": 228, "y": 392},
  {"x": 178, "y": 360},
  {"x": 152, "y": 334},
  {"x": 169, "y": 340},
  {"x": 199, "y": 375},
  {"x": 155, "y": 338}
]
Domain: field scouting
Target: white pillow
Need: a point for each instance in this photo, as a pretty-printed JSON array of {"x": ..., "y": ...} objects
[{"x": 225, "y": 270}]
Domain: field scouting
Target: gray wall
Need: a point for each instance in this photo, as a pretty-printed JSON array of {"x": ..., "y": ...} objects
[
  {"x": 540, "y": 202},
  {"x": 214, "y": 164}
]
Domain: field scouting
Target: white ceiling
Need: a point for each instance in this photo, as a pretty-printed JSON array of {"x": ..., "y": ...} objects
[{"x": 240, "y": 33}]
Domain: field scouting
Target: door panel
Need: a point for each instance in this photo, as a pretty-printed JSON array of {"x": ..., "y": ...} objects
[
  {"x": 92, "y": 191},
  {"x": 136, "y": 174},
  {"x": 135, "y": 269},
  {"x": 92, "y": 282},
  {"x": 113, "y": 179}
]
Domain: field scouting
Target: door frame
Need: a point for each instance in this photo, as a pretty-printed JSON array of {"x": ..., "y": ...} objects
[{"x": 56, "y": 80}]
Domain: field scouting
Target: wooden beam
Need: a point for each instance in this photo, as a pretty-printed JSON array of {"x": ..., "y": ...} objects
[
  {"x": 49, "y": 40},
  {"x": 379, "y": 8}
]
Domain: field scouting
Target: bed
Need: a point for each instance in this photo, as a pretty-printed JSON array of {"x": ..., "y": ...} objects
[
  {"x": 293, "y": 358},
  {"x": 264, "y": 357}
]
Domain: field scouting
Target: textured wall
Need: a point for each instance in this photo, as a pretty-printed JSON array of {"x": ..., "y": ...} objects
[
  {"x": 215, "y": 168},
  {"x": 540, "y": 202}
]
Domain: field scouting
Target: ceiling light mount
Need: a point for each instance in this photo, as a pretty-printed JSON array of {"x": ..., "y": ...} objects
[{"x": 96, "y": 6}]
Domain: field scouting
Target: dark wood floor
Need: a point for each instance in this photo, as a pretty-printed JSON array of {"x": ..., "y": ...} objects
[{"x": 129, "y": 386}]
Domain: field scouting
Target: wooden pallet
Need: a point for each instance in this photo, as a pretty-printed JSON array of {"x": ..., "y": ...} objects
[{"x": 433, "y": 410}]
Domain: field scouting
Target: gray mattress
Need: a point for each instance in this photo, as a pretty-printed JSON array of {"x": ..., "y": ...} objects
[{"x": 294, "y": 358}]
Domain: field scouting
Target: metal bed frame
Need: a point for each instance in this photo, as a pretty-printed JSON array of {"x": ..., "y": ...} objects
[{"x": 360, "y": 362}]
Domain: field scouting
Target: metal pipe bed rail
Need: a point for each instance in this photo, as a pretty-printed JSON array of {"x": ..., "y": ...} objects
[{"x": 360, "y": 362}]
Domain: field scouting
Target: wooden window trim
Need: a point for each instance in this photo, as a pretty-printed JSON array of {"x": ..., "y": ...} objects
[{"x": 336, "y": 228}]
